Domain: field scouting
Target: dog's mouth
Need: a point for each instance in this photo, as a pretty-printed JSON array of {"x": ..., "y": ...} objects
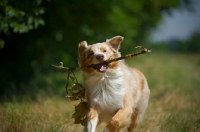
[{"x": 101, "y": 68}]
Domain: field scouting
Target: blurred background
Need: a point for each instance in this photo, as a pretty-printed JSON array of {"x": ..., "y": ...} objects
[{"x": 36, "y": 34}]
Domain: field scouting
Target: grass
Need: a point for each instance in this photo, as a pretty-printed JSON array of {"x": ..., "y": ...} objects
[
  {"x": 174, "y": 105},
  {"x": 49, "y": 115}
]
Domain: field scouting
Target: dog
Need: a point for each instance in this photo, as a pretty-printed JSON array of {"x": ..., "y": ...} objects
[{"x": 116, "y": 94}]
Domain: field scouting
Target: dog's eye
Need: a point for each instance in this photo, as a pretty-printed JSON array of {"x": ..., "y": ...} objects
[
  {"x": 104, "y": 50},
  {"x": 91, "y": 53}
]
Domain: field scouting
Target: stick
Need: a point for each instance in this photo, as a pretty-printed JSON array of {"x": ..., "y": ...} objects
[{"x": 105, "y": 62}]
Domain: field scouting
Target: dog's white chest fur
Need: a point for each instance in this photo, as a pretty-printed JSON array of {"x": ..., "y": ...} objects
[{"x": 106, "y": 90}]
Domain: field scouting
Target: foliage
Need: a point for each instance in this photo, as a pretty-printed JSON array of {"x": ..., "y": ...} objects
[
  {"x": 20, "y": 16},
  {"x": 30, "y": 52},
  {"x": 80, "y": 114}
]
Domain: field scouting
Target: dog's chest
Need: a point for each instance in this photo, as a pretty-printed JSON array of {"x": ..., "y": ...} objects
[{"x": 106, "y": 91}]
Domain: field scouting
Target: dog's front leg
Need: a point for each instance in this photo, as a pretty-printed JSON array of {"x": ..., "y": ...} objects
[
  {"x": 121, "y": 119},
  {"x": 92, "y": 120}
]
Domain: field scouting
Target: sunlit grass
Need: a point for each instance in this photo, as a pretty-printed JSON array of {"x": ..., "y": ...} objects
[
  {"x": 49, "y": 115},
  {"x": 175, "y": 89},
  {"x": 174, "y": 105}
]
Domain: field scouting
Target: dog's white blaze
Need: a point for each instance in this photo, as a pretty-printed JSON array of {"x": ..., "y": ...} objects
[
  {"x": 96, "y": 52},
  {"x": 106, "y": 89},
  {"x": 91, "y": 125}
]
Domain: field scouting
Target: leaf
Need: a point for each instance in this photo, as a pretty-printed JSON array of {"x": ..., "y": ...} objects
[
  {"x": 80, "y": 113},
  {"x": 84, "y": 122},
  {"x": 81, "y": 87},
  {"x": 78, "y": 121},
  {"x": 41, "y": 22},
  {"x": 82, "y": 94},
  {"x": 77, "y": 94},
  {"x": 72, "y": 98},
  {"x": 30, "y": 20},
  {"x": 81, "y": 105},
  {"x": 41, "y": 11},
  {"x": 75, "y": 88},
  {"x": 10, "y": 11}
]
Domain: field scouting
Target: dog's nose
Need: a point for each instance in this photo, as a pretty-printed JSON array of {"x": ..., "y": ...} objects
[{"x": 100, "y": 57}]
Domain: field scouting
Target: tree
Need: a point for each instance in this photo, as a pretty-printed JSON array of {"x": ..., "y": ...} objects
[{"x": 19, "y": 16}]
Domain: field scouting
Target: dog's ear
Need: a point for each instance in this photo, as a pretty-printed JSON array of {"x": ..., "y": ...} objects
[
  {"x": 82, "y": 46},
  {"x": 115, "y": 42}
]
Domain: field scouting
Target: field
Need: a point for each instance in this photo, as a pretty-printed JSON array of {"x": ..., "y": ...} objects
[{"x": 174, "y": 105}]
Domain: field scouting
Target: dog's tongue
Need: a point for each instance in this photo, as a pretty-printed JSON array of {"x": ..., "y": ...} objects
[{"x": 102, "y": 68}]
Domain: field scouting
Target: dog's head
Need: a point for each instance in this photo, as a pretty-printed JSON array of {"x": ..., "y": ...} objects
[{"x": 99, "y": 52}]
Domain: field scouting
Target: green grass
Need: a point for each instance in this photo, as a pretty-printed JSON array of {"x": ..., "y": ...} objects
[
  {"x": 174, "y": 105},
  {"x": 175, "y": 89},
  {"x": 48, "y": 115}
]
